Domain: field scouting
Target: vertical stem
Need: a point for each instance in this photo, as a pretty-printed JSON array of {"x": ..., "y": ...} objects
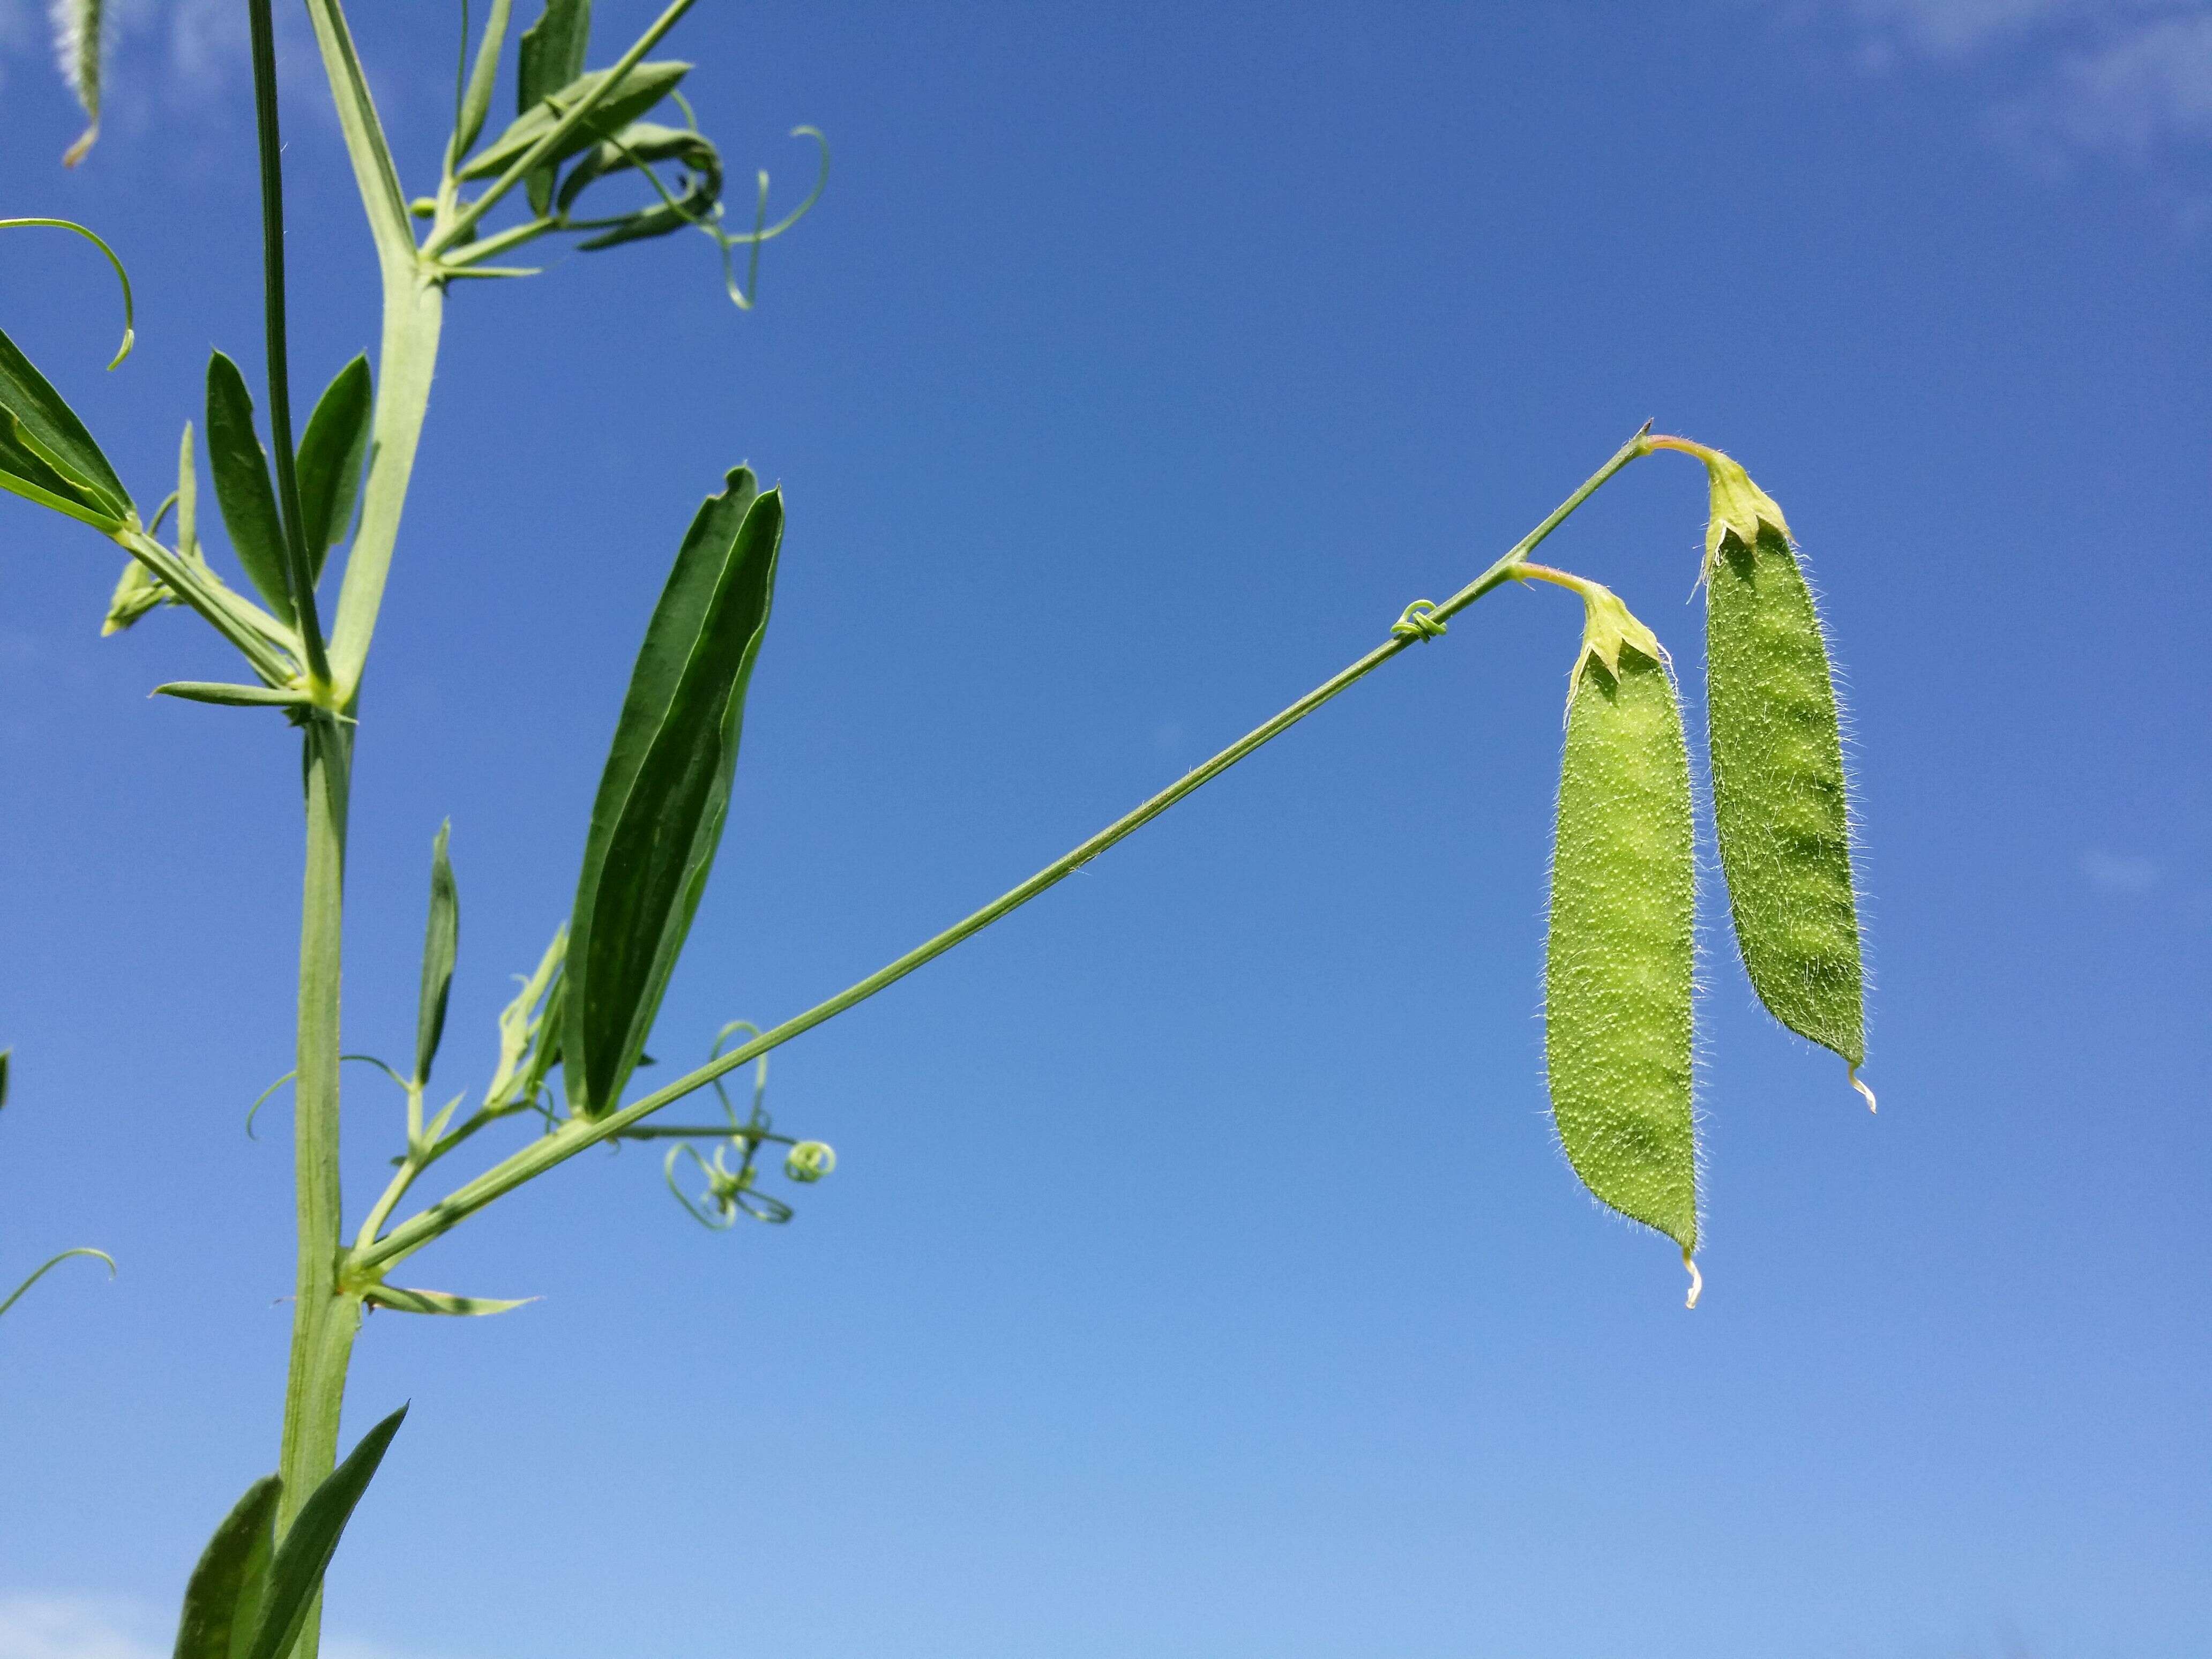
[
  {"x": 324, "y": 1316},
  {"x": 414, "y": 316},
  {"x": 297, "y": 559}
]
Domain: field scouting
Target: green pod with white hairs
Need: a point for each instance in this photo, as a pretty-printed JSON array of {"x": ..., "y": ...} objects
[
  {"x": 1621, "y": 956},
  {"x": 1780, "y": 802}
]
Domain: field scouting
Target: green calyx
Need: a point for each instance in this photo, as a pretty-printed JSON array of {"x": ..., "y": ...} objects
[
  {"x": 1739, "y": 506},
  {"x": 1608, "y": 625}
]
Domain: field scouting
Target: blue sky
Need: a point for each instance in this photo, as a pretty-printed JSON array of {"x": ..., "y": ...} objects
[{"x": 1200, "y": 1276}]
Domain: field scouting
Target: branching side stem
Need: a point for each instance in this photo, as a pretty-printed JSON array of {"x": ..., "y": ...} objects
[{"x": 365, "y": 1267}]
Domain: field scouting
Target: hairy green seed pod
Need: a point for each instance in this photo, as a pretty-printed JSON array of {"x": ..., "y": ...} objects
[
  {"x": 1622, "y": 951},
  {"x": 1779, "y": 800}
]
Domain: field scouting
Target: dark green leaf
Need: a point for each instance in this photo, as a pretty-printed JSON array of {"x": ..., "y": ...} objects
[
  {"x": 223, "y": 1599},
  {"x": 48, "y": 429},
  {"x": 440, "y": 939},
  {"x": 24, "y": 472},
  {"x": 646, "y": 85},
  {"x": 331, "y": 453},
  {"x": 305, "y": 1554},
  {"x": 658, "y": 817},
  {"x": 551, "y": 56},
  {"x": 6, "y": 1054},
  {"x": 242, "y": 489}
]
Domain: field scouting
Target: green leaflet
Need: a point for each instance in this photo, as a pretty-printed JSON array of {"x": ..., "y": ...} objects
[
  {"x": 233, "y": 697},
  {"x": 331, "y": 451},
  {"x": 475, "y": 98},
  {"x": 249, "y": 1595},
  {"x": 1779, "y": 800},
  {"x": 645, "y": 86},
  {"x": 7, "y": 1055},
  {"x": 658, "y": 816},
  {"x": 441, "y": 939},
  {"x": 436, "y": 1302},
  {"x": 1620, "y": 958},
  {"x": 551, "y": 56},
  {"x": 45, "y": 453},
  {"x": 296, "y": 1573},
  {"x": 223, "y": 1598},
  {"x": 188, "y": 497},
  {"x": 242, "y": 489}
]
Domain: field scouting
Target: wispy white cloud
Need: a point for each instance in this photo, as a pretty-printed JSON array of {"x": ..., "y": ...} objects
[
  {"x": 2122, "y": 875},
  {"x": 165, "y": 58},
  {"x": 73, "y": 1627},
  {"x": 2123, "y": 81},
  {"x": 1947, "y": 27},
  {"x": 94, "y": 1627}
]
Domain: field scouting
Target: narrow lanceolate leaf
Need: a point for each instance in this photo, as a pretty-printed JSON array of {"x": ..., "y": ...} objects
[
  {"x": 437, "y": 1302},
  {"x": 304, "y": 1555},
  {"x": 79, "y": 42},
  {"x": 232, "y": 696},
  {"x": 223, "y": 1597},
  {"x": 441, "y": 940},
  {"x": 658, "y": 817},
  {"x": 551, "y": 56},
  {"x": 475, "y": 99},
  {"x": 1621, "y": 956},
  {"x": 646, "y": 85},
  {"x": 188, "y": 497},
  {"x": 46, "y": 454},
  {"x": 1779, "y": 800},
  {"x": 6, "y": 1055},
  {"x": 242, "y": 487},
  {"x": 331, "y": 451}
]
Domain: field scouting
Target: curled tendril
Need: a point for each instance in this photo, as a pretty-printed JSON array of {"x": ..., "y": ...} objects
[
  {"x": 49, "y": 1265},
  {"x": 130, "y": 329},
  {"x": 262, "y": 1098},
  {"x": 729, "y": 1191},
  {"x": 709, "y": 222},
  {"x": 1418, "y": 621},
  {"x": 809, "y": 1161}
]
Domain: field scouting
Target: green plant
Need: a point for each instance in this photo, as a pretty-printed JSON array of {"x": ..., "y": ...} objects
[{"x": 1621, "y": 958}]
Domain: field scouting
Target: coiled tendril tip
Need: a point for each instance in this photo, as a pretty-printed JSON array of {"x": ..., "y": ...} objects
[{"x": 1418, "y": 621}]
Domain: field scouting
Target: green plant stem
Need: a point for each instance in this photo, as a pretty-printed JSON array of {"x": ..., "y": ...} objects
[
  {"x": 302, "y": 582},
  {"x": 364, "y": 1267},
  {"x": 325, "y": 1314},
  {"x": 414, "y": 317}
]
